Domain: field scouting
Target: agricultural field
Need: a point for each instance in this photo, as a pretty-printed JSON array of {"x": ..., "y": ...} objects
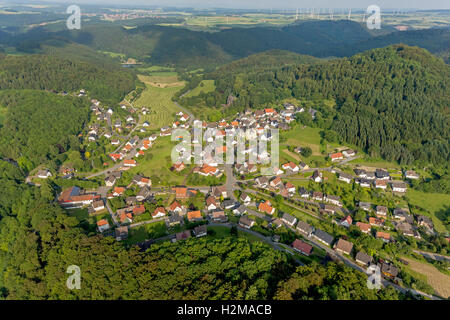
[
  {"x": 158, "y": 99},
  {"x": 439, "y": 281}
]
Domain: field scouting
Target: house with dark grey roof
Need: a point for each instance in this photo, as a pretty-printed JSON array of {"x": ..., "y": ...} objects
[
  {"x": 389, "y": 270},
  {"x": 246, "y": 222},
  {"x": 240, "y": 210},
  {"x": 200, "y": 231},
  {"x": 288, "y": 219},
  {"x": 323, "y": 237},
  {"x": 363, "y": 258},
  {"x": 304, "y": 228},
  {"x": 228, "y": 204}
]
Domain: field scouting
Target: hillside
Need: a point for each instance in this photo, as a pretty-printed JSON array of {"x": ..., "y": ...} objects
[
  {"x": 44, "y": 72},
  {"x": 39, "y": 125},
  {"x": 391, "y": 102},
  {"x": 186, "y": 48}
]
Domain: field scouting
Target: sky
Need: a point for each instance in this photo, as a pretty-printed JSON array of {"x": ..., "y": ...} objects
[{"x": 272, "y": 4}]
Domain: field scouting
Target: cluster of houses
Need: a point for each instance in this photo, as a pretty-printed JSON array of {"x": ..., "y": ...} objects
[
  {"x": 345, "y": 154},
  {"x": 134, "y": 148},
  {"x": 379, "y": 179},
  {"x": 341, "y": 246},
  {"x": 404, "y": 222},
  {"x": 275, "y": 184},
  {"x": 97, "y": 130}
]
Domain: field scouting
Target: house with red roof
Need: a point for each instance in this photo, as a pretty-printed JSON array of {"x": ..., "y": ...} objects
[
  {"x": 159, "y": 212},
  {"x": 266, "y": 207},
  {"x": 302, "y": 247}
]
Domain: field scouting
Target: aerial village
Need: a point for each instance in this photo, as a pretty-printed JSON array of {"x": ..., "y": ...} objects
[{"x": 311, "y": 205}]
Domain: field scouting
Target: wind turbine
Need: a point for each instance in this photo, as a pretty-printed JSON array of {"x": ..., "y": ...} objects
[{"x": 349, "y": 13}]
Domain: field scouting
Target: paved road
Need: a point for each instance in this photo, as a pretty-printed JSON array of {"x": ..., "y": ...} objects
[{"x": 434, "y": 256}]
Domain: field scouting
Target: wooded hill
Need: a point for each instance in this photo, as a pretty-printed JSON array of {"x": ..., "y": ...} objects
[
  {"x": 392, "y": 101},
  {"x": 181, "y": 47},
  {"x": 45, "y": 72}
]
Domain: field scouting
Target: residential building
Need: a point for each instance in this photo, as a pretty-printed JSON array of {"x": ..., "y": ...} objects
[
  {"x": 363, "y": 258},
  {"x": 302, "y": 247},
  {"x": 288, "y": 219},
  {"x": 364, "y": 227},
  {"x": 344, "y": 246},
  {"x": 246, "y": 222},
  {"x": 200, "y": 231},
  {"x": 266, "y": 207},
  {"x": 304, "y": 228},
  {"x": 194, "y": 216},
  {"x": 323, "y": 237},
  {"x": 102, "y": 225}
]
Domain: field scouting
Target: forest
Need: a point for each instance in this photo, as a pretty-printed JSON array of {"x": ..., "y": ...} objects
[
  {"x": 45, "y": 72},
  {"x": 391, "y": 102},
  {"x": 39, "y": 125}
]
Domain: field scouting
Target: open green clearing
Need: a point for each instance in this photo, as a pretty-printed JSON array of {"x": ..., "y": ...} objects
[
  {"x": 162, "y": 109},
  {"x": 157, "y": 166},
  {"x": 147, "y": 231},
  {"x": 205, "y": 86},
  {"x": 433, "y": 202},
  {"x": 83, "y": 216}
]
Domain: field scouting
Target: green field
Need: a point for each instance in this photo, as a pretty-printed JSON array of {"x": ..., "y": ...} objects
[
  {"x": 433, "y": 202},
  {"x": 147, "y": 231},
  {"x": 83, "y": 217},
  {"x": 205, "y": 86},
  {"x": 158, "y": 167},
  {"x": 159, "y": 102}
]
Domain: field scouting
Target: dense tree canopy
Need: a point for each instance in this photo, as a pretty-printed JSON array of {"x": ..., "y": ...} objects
[
  {"x": 43, "y": 72},
  {"x": 40, "y": 125}
]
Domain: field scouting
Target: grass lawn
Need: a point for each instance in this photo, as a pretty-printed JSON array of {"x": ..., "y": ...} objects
[
  {"x": 221, "y": 232},
  {"x": 205, "y": 86},
  {"x": 147, "y": 231},
  {"x": 433, "y": 202},
  {"x": 82, "y": 215},
  {"x": 375, "y": 163},
  {"x": 158, "y": 167}
]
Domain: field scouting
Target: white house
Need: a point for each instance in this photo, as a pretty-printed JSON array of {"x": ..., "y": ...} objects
[{"x": 44, "y": 174}]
